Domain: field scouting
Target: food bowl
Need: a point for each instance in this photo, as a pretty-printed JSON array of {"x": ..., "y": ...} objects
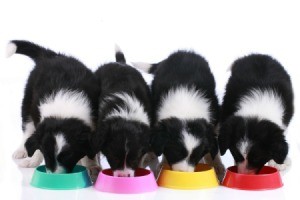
[
  {"x": 78, "y": 178},
  {"x": 268, "y": 178},
  {"x": 203, "y": 177},
  {"x": 143, "y": 181}
]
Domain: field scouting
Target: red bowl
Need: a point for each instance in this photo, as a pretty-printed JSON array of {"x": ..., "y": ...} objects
[{"x": 268, "y": 178}]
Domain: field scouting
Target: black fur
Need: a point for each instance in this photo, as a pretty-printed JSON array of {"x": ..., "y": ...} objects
[
  {"x": 190, "y": 70},
  {"x": 268, "y": 141},
  {"x": 55, "y": 72}
]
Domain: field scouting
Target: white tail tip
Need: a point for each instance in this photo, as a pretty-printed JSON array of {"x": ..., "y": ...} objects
[
  {"x": 117, "y": 48},
  {"x": 11, "y": 49},
  {"x": 142, "y": 66}
]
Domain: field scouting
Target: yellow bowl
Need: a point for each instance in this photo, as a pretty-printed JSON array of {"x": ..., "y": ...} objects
[{"x": 203, "y": 177}]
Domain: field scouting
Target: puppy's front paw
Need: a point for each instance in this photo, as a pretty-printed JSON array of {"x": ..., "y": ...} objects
[
  {"x": 20, "y": 153},
  {"x": 281, "y": 167},
  {"x": 33, "y": 161},
  {"x": 29, "y": 162}
]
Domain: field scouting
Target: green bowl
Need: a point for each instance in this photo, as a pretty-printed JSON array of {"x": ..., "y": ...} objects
[{"x": 77, "y": 179}]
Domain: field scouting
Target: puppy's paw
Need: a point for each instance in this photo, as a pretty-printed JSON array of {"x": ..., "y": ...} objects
[
  {"x": 93, "y": 172},
  {"x": 33, "y": 161},
  {"x": 29, "y": 162},
  {"x": 281, "y": 167},
  {"x": 20, "y": 153}
]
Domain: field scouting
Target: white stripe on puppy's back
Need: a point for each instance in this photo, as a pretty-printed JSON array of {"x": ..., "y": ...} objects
[
  {"x": 67, "y": 104},
  {"x": 134, "y": 109},
  {"x": 264, "y": 104},
  {"x": 184, "y": 103}
]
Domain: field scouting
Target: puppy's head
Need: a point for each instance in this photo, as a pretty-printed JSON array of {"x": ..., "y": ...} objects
[
  {"x": 123, "y": 143},
  {"x": 183, "y": 143},
  {"x": 63, "y": 143},
  {"x": 252, "y": 143}
]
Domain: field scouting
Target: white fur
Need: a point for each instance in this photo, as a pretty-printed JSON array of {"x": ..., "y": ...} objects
[
  {"x": 33, "y": 161},
  {"x": 281, "y": 167},
  {"x": 183, "y": 166},
  {"x": 264, "y": 104},
  {"x": 59, "y": 170},
  {"x": 67, "y": 104},
  {"x": 244, "y": 146},
  {"x": 117, "y": 48},
  {"x": 135, "y": 110},
  {"x": 11, "y": 49},
  {"x": 185, "y": 104},
  {"x": 142, "y": 66},
  {"x": 60, "y": 143},
  {"x": 190, "y": 142}
]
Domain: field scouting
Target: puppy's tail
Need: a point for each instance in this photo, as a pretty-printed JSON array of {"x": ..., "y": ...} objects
[
  {"x": 29, "y": 49},
  {"x": 146, "y": 67},
  {"x": 120, "y": 58}
]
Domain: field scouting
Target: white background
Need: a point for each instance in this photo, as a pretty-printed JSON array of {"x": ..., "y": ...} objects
[{"x": 147, "y": 31}]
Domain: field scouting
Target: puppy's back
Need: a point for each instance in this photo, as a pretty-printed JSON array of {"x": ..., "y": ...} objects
[{"x": 262, "y": 73}]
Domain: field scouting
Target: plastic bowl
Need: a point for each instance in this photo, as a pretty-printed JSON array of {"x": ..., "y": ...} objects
[
  {"x": 142, "y": 182},
  {"x": 203, "y": 177},
  {"x": 268, "y": 178},
  {"x": 79, "y": 178}
]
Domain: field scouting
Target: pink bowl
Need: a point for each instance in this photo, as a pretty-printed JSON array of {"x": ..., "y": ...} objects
[
  {"x": 143, "y": 181},
  {"x": 268, "y": 178}
]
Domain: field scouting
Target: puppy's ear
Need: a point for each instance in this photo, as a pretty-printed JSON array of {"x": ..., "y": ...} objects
[
  {"x": 146, "y": 139},
  {"x": 279, "y": 146},
  {"x": 161, "y": 133},
  {"x": 98, "y": 138},
  {"x": 280, "y": 151},
  {"x": 32, "y": 144},
  {"x": 212, "y": 141},
  {"x": 158, "y": 139},
  {"x": 228, "y": 130},
  {"x": 90, "y": 152}
]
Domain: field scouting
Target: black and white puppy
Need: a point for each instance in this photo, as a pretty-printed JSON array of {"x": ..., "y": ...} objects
[
  {"x": 257, "y": 108},
  {"x": 59, "y": 110},
  {"x": 186, "y": 111},
  {"x": 123, "y": 128}
]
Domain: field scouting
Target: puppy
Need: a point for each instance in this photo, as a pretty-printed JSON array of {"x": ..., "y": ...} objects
[
  {"x": 186, "y": 111},
  {"x": 257, "y": 108},
  {"x": 123, "y": 127},
  {"x": 59, "y": 110}
]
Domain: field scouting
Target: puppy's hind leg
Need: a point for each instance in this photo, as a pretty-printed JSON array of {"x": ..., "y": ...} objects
[
  {"x": 151, "y": 160},
  {"x": 217, "y": 164},
  {"x": 93, "y": 166},
  {"x": 27, "y": 121},
  {"x": 21, "y": 152}
]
